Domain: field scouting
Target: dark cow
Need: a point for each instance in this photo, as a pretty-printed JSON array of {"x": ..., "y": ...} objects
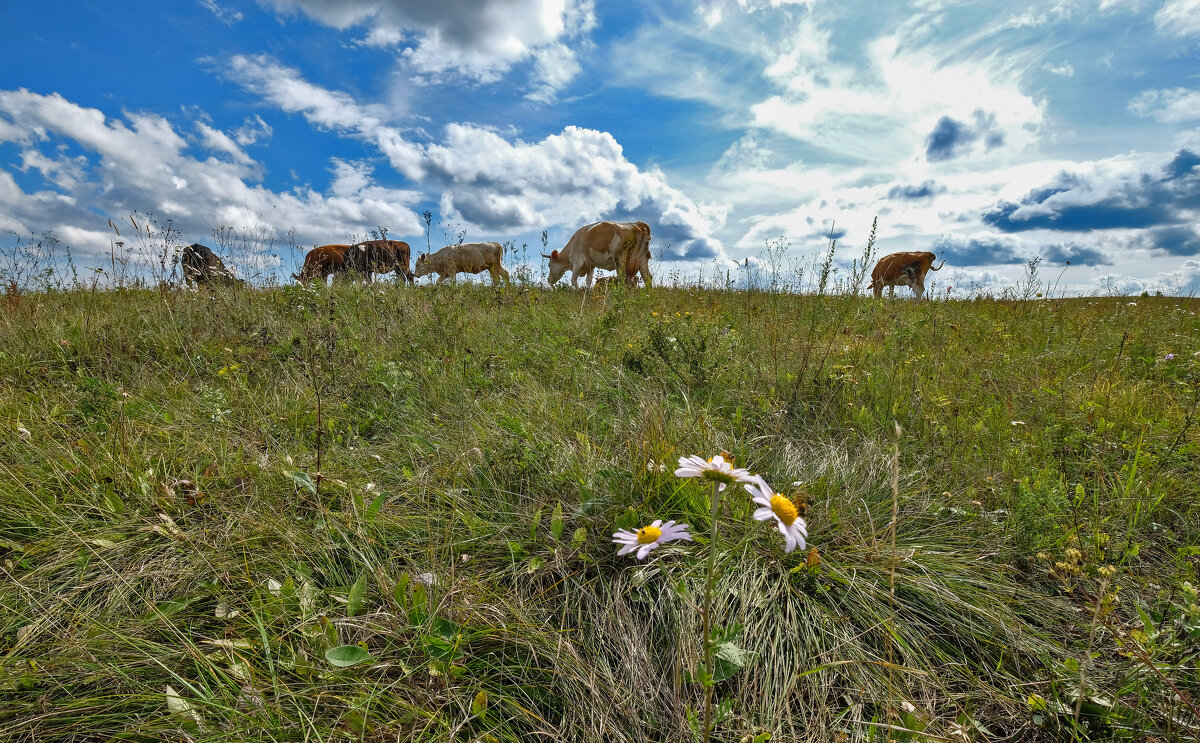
[
  {"x": 321, "y": 262},
  {"x": 379, "y": 256},
  {"x": 903, "y": 269},
  {"x": 202, "y": 266}
]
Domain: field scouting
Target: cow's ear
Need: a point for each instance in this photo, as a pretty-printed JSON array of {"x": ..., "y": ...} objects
[{"x": 553, "y": 254}]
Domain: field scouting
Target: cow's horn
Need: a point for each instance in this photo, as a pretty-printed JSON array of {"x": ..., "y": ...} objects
[{"x": 544, "y": 255}]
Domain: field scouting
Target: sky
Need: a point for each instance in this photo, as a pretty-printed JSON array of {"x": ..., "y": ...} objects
[{"x": 988, "y": 133}]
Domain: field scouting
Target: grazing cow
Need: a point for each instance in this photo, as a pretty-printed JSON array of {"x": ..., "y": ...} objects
[
  {"x": 623, "y": 247},
  {"x": 903, "y": 269},
  {"x": 321, "y": 262},
  {"x": 468, "y": 257},
  {"x": 379, "y": 256},
  {"x": 202, "y": 266}
]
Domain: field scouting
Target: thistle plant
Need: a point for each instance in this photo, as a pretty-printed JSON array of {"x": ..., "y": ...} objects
[{"x": 717, "y": 640}]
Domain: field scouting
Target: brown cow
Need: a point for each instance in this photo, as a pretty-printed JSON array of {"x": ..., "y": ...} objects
[
  {"x": 321, "y": 262},
  {"x": 202, "y": 266},
  {"x": 903, "y": 269},
  {"x": 379, "y": 256},
  {"x": 623, "y": 247},
  {"x": 466, "y": 257}
]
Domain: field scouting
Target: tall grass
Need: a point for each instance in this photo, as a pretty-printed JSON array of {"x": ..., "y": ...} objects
[{"x": 211, "y": 491}]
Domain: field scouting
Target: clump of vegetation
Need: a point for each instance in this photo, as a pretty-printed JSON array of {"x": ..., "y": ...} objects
[{"x": 373, "y": 512}]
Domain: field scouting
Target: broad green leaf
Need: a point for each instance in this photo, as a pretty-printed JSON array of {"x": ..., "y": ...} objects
[
  {"x": 354, "y": 601},
  {"x": 302, "y": 480},
  {"x": 344, "y": 656},
  {"x": 556, "y": 522},
  {"x": 479, "y": 704},
  {"x": 400, "y": 593}
]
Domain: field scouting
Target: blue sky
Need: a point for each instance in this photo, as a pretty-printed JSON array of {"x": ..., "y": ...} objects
[{"x": 990, "y": 133}]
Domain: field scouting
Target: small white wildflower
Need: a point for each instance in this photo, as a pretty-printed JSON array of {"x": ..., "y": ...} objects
[
  {"x": 717, "y": 469},
  {"x": 1016, "y": 423},
  {"x": 787, "y": 516},
  {"x": 648, "y": 538}
]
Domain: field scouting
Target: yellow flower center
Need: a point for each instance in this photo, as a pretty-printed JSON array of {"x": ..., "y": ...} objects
[
  {"x": 784, "y": 509},
  {"x": 648, "y": 534}
]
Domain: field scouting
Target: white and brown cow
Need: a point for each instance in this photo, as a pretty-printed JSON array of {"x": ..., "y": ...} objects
[
  {"x": 903, "y": 269},
  {"x": 623, "y": 247},
  {"x": 451, "y": 260}
]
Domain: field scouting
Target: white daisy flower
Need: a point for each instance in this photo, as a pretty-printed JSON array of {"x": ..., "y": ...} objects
[
  {"x": 775, "y": 506},
  {"x": 717, "y": 468},
  {"x": 648, "y": 538}
]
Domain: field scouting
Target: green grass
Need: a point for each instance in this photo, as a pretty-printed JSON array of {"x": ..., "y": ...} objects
[{"x": 210, "y": 491}]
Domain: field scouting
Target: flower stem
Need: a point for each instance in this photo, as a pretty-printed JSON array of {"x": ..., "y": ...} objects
[{"x": 709, "y": 579}]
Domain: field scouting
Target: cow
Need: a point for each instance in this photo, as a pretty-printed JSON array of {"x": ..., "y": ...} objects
[
  {"x": 469, "y": 257},
  {"x": 623, "y": 247},
  {"x": 322, "y": 261},
  {"x": 379, "y": 256},
  {"x": 202, "y": 266},
  {"x": 903, "y": 269}
]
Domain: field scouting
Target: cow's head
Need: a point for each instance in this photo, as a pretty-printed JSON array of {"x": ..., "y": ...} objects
[
  {"x": 423, "y": 266},
  {"x": 558, "y": 265}
]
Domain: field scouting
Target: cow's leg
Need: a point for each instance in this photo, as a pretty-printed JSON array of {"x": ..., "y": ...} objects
[
  {"x": 919, "y": 289},
  {"x": 497, "y": 273},
  {"x": 647, "y": 279},
  {"x": 590, "y": 271},
  {"x": 891, "y": 291}
]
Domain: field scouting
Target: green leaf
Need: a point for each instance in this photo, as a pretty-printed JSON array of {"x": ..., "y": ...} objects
[
  {"x": 344, "y": 656},
  {"x": 302, "y": 480},
  {"x": 556, "y": 522},
  {"x": 354, "y": 601},
  {"x": 479, "y": 703},
  {"x": 373, "y": 509},
  {"x": 516, "y": 550},
  {"x": 730, "y": 659},
  {"x": 535, "y": 564},
  {"x": 401, "y": 591},
  {"x": 762, "y": 738},
  {"x": 578, "y": 538},
  {"x": 535, "y": 522},
  {"x": 419, "y": 611}
]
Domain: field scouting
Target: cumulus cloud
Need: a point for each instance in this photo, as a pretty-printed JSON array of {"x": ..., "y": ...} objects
[
  {"x": 1105, "y": 195},
  {"x": 906, "y": 96},
  {"x": 916, "y": 191},
  {"x": 1179, "y": 17},
  {"x": 982, "y": 250},
  {"x": 1076, "y": 255},
  {"x": 951, "y": 138},
  {"x": 1171, "y": 106},
  {"x": 478, "y": 40},
  {"x": 495, "y": 185},
  {"x": 195, "y": 179}
]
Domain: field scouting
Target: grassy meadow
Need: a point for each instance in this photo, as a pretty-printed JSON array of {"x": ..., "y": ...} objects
[{"x": 384, "y": 513}]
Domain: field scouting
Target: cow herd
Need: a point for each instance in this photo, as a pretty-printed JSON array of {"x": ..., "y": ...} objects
[{"x": 623, "y": 247}]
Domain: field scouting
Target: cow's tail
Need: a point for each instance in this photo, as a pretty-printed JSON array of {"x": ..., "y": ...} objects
[{"x": 936, "y": 268}]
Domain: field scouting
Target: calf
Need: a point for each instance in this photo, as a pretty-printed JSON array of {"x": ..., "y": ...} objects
[{"x": 465, "y": 258}]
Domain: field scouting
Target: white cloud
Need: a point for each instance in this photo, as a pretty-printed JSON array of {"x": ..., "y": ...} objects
[
  {"x": 1179, "y": 17},
  {"x": 885, "y": 114},
  {"x": 223, "y": 14},
  {"x": 479, "y": 40},
  {"x": 492, "y": 184},
  {"x": 1171, "y": 106},
  {"x": 141, "y": 163},
  {"x": 1064, "y": 70}
]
